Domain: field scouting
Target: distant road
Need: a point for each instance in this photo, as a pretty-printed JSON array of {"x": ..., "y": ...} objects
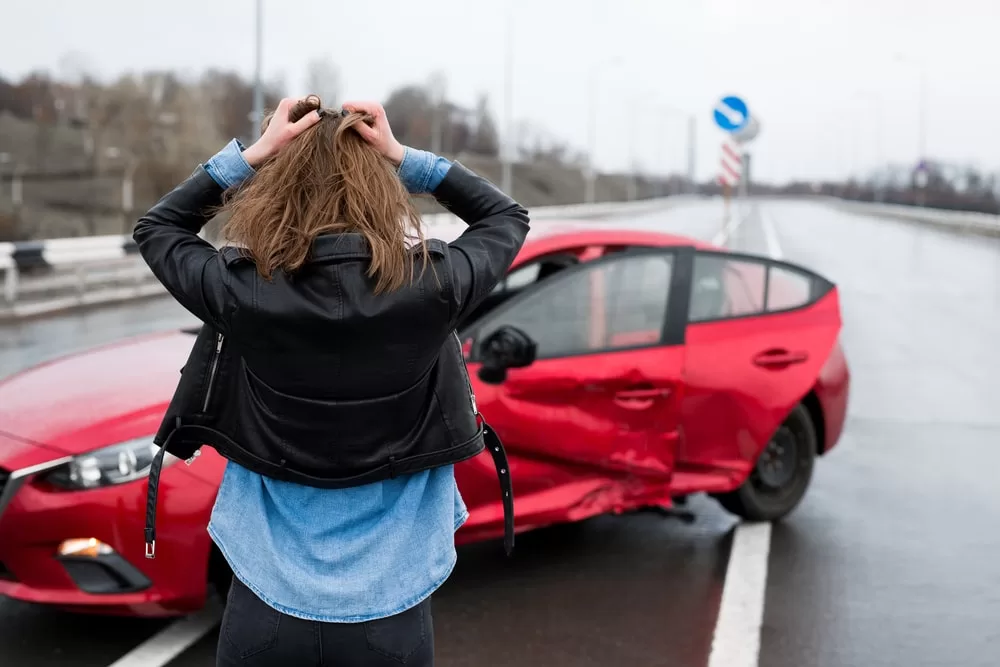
[{"x": 890, "y": 560}]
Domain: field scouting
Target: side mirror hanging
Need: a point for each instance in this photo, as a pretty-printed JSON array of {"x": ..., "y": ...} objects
[{"x": 507, "y": 347}]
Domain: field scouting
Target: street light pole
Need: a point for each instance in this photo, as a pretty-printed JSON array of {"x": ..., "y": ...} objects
[
  {"x": 921, "y": 66},
  {"x": 691, "y": 138},
  {"x": 590, "y": 177},
  {"x": 631, "y": 185},
  {"x": 436, "y": 88},
  {"x": 692, "y": 129},
  {"x": 923, "y": 111},
  {"x": 258, "y": 91},
  {"x": 506, "y": 150},
  {"x": 876, "y": 102}
]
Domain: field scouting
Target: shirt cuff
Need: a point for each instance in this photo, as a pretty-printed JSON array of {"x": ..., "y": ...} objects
[
  {"x": 228, "y": 167},
  {"x": 422, "y": 171}
]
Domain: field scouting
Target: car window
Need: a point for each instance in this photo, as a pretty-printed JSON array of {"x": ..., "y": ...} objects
[
  {"x": 724, "y": 287},
  {"x": 638, "y": 306},
  {"x": 534, "y": 271},
  {"x": 607, "y": 305},
  {"x": 526, "y": 275},
  {"x": 520, "y": 277},
  {"x": 787, "y": 288}
]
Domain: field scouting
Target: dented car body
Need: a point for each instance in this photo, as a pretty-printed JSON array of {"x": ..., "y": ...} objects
[{"x": 623, "y": 370}]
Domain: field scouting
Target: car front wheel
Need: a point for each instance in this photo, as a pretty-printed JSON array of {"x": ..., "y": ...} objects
[{"x": 782, "y": 474}]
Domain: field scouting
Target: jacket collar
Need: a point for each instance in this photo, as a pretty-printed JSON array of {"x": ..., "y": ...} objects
[{"x": 345, "y": 245}]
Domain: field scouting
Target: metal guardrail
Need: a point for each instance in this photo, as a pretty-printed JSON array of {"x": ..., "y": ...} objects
[
  {"x": 58, "y": 274},
  {"x": 38, "y": 277},
  {"x": 957, "y": 221}
]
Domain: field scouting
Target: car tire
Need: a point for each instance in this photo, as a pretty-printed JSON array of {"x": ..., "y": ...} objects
[{"x": 781, "y": 477}]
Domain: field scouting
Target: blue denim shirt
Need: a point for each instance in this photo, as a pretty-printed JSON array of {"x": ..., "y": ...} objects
[{"x": 339, "y": 555}]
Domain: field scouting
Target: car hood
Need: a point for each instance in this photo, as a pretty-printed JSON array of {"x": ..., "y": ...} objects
[{"x": 94, "y": 398}]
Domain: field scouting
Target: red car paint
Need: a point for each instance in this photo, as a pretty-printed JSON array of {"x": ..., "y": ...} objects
[{"x": 587, "y": 434}]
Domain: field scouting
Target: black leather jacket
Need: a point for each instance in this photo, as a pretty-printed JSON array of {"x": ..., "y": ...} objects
[{"x": 311, "y": 377}]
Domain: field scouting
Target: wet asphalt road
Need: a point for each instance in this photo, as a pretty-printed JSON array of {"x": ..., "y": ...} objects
[{"x": 892, "y": 558}]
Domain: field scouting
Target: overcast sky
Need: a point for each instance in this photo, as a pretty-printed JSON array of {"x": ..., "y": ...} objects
[{"x": 819, "y": 74}]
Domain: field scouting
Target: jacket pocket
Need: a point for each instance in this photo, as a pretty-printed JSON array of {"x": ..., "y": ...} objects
[{"x": 315, "y": 434}]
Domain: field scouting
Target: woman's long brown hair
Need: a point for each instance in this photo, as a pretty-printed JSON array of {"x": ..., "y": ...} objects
[{"x": 327, "y": 180}]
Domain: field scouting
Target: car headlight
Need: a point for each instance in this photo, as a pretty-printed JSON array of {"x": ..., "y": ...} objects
[{"x": 117, "y": 464}]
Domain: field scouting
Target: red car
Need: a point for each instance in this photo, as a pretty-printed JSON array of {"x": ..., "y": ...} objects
[{"x": 636, "y": 368}]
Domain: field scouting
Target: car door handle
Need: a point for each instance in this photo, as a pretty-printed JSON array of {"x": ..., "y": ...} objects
[
  {"x": 642, "y": 394},
  {"x": 773, "y": 358},
  {"x": 640, "y": 399}
]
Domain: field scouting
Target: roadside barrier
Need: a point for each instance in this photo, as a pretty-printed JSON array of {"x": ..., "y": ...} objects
[{"x": 38, "y": 277}]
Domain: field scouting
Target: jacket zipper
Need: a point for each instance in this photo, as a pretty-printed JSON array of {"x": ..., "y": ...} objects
[
  {"x": 468, "y": 380},
  {"x": 212, "y": 370}
]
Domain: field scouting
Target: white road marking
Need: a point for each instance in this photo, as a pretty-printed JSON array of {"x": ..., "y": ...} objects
[
  {"x": 726, "y": 232},
  {"x": 173, "y": 640},
  {"x": 770, "y": 235},
  {"x": 736, "y": 642}
]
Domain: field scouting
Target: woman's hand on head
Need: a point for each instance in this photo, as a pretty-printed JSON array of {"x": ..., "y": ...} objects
[
  {"x": 279, "y": 133},
  {"x": 378, "y": 134}
]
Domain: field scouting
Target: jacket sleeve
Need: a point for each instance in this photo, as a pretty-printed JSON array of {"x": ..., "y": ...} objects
[
  {"x": 498, "y": 225},
  {"x": 191, "y": 269}
]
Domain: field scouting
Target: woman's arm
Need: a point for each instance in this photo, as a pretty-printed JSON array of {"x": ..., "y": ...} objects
[
  {"x": 498, "y": 225},
  {"x": 167, "y": 235},
  {"x": 189, "y": 267}
]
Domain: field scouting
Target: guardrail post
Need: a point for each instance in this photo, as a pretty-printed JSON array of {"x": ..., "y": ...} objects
[
  {"x": 17, "y": 195},
  {"x": 81, "y": 281},
  {"x": 128, "y": 196},
  {"x": 10, "y": 282},
  {"x": 140, "y": 275},
  {"x": 17, "y": 188}
]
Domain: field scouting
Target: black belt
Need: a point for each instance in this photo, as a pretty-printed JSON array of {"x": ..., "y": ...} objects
[
  {"x": 496, "y": 450},
  {"x": 490, "y": 440}
]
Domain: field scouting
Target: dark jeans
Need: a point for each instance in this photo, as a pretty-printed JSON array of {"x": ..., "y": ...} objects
[{"x": 255, "y": 634}]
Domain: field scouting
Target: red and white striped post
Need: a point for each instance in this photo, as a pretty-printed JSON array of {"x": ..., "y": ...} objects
[{"x": 730, "y": 169}]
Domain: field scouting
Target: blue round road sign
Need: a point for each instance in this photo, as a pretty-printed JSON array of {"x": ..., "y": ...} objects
[{"x": 731, "y": 113}]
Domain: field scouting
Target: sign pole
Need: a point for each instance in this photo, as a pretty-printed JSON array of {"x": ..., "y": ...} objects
[
  {"x": 744, "y": 175},
  {"x": 732, "y": 116},
  {"x": 726, "y": 196}
]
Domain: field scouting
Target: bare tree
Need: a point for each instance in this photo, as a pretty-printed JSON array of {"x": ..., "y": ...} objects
[
  {"x": 485, "y": 138},
  {"x": 408, "y": 109},
  {"x": 232, "y": 98},
  {"x": 75, "y": 68},
  {"x": 437, "y": 85}
]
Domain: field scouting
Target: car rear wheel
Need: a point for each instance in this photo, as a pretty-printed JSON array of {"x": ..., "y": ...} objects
[{"x": 782, "y": 474}]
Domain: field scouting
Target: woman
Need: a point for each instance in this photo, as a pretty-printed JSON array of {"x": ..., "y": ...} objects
[{"x": 328, "y": 373}]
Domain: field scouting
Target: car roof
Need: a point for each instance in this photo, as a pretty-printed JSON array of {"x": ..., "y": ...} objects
[{"x": 553, "y": 235}]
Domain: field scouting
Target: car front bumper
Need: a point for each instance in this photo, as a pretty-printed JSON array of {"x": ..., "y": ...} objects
[{"x": 38, "y": 518}]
